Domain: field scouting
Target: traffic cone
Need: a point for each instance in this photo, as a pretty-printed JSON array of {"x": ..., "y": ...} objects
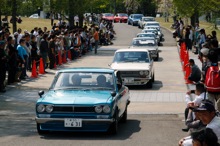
[
  {"x": 64, "y": 57},
  {"x": 187, "y": 74},
  {"x": 186, "y": 59},
  {"x": 183, "y": 49},
  {"x": 59, "y": 58},
  {"x": 69, "y": 55},
  {"x": 41, "y": 66},
  {"x": 34, "y": 70}
]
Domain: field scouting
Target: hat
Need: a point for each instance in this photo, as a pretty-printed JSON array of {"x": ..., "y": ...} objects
[
  {"x": 206, "y": 105},
  {"x": 205, "y": 51}
]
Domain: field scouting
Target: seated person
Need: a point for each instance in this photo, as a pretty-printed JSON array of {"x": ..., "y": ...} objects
[
  {"x": 76, "y": 80},
  {"x": 101, "y": 81}
]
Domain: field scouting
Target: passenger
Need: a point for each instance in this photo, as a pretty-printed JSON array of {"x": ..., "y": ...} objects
[
  {"x": 76, "y": 79},
  {"x": 101, "y": 81}
]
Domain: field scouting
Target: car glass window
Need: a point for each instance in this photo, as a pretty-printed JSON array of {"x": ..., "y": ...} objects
[
  {"x": 147, "y": 43},
  {"x": 84, "y": 80},
  {"x": 123, "y": 57}
]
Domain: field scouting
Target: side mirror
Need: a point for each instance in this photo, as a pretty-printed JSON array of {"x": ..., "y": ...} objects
[
  {"x": 113, "y": 93},
  {"x": 40, "y": 93}
]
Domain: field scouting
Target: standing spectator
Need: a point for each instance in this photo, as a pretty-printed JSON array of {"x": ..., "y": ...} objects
[
  {"x": 44, "y": 48},
  {"x": 23, "y": 55},
  {"x": 51, "y": 17},
  {"x": 19, "y": 35},
  {"x": 51, "y": 51},
  {"x": 3, "y": 63},
  {"x": 35, "y": 31},
  {"x": 12, "y": 63},
  {"x": 96, "y": 37},
  {"x": 195, "y": 75},
  {"x": 16, "y": 39},
  {"x": 76, "y": 20},
  {"x": 39, "y": 37},
  {"x": 33, "y": 43},
  {"x": 27, "y": 47}
]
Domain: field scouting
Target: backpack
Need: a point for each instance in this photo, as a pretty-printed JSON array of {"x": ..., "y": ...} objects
[{"x": 212, "y": 80}]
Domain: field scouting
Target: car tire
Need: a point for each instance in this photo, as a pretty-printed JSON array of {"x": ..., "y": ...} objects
[
  {"x": 128, "y": 23},
  {"x": 149, "y": 84},
  {"x": 41, "y": 132},
  {"x": 113, "y": 129},
  {"x": 132, "y": 23},
  {"x": 157, "y": 58},
  {"x": 153, "y": 78},
  {"x": 124, "y": 116},
  {"x": 120, "y": 21}
]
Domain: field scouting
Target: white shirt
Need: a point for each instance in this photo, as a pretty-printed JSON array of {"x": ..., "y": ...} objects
[
  {"x": 101, "y": 26},
  {"x": 198, "y": 99},
  {"x": 76, "y": 19},
  {"x": 215, "y": 126}
]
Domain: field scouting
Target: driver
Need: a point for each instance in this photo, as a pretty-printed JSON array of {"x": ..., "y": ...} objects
[{"x": 76, "y": 80}]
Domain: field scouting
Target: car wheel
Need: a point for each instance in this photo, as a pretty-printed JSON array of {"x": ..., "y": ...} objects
[
  {"x": 41, "y": 132},
  {"x": 113, "y": 129},
  {"x": 132, "y": 23},
  {"x": 120, "y": 21},
  {"x": 149, "y": 84},
  {"x": 152, "y": 78},
  {"x": 128, "y": 23},
  {"x": 124, "y": 116},
  {"x": 157, "y": 58},
  {"x": 139, "y": 26}
]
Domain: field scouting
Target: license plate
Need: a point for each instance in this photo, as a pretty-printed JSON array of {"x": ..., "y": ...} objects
[
  {"x": 128, "y": 80},
  {"x": 73, "y": 123}
]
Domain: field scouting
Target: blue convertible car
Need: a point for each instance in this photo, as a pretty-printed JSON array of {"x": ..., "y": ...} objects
[{"x": 83, "y": 99}]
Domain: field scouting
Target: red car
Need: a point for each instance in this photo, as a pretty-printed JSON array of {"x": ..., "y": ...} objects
[
  {"x": 121, "y": 17},
  {"x": 108, "y": 16}
]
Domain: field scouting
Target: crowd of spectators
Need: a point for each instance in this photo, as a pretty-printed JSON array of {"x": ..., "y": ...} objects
[
  {"x": 202, "y": 111},
  {"x": 20, "y": 49}
]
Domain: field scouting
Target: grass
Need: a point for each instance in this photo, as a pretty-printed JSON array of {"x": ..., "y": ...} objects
[
  {"x": 29, "y": 23},
  {"x": 207, "y": 26}
]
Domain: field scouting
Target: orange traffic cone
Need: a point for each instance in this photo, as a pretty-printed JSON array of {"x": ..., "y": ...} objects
[
  {"x": 59, "y": 58},
  {"x": 69, "y": 55},
  {"x": 183, "y": 49},
  {"x": 64, "y": 57},
  {"x": 34, "y": 70},
  {"x": 41, "y": 67},
  {"x": 186, "y": 59}
]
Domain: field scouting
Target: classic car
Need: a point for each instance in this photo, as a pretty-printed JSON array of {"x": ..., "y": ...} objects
[
  {"x": 121, "y": 17},
  {"x": 152, "y": 33},
  {"x": 143, "y": 20},
  {"x": 83, "y": 99},
  {"x": 134, "y": 18},
  {"x": 159, "y": 31},
  {"x": 108, "y": 16},
  {"x": 146, "y": 43},
  {"x": 135, "y": 66},
  {"x": 152, "y": 23}
]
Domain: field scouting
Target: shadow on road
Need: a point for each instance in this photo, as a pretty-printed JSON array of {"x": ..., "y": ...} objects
[
  {"x": 124, "y": 132},
  {"x": 156, "y": 86}
]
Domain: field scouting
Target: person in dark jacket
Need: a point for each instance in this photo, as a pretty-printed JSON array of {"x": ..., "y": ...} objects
[
  {"x": 195, "y": 75},
  {"x": 44, "y": 48},
  {"x": 12, "y": 63},
  {"x": 3, "y": 63},
  {"x": 51, "y": 52}
]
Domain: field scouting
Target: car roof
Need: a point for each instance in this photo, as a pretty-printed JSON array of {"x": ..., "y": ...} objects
[
  {"x": 153, "y": 22},
  {"x": 132, "y": 50},
  {"x": 87, "y": 69},
  {"x": 141, "y": 38},
  {"x": 149, "y": 38}
]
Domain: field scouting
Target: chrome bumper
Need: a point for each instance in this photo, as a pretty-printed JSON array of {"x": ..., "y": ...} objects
[{"x": 44, "y": 120}]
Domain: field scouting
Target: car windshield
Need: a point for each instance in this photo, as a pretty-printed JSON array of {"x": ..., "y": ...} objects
[
  {"x": 147, "y": 43},
  {"x": 146, "y": 35},
  {"x": 150, "y": 30},
  {"x": 148, "y": 19},
  {"x": 138, "y": 16},
  {"x": 152, "y": 24},
  {"x": 123, "y": 57},
  {"x": 123, "y": 15},
  {"x": 83, "y": 81},
  {"x": 108, "y": 15}
]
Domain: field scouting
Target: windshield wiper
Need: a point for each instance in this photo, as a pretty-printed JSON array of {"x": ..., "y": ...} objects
[
  {"x": 103, "y": 88},
  {"x": 68, "y": 88}
]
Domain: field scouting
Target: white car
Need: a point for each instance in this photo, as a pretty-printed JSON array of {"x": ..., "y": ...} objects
[
  {"x": 136, "y": 66},
  {"x": 152, "y": 23},
  {"x": 159, "y": 31},
  {"x": 146, "y": 43},
  {"x": 144, "y": 20},
  {"x": 152, "y": 33},
  {"x": 34, "y": 16}
]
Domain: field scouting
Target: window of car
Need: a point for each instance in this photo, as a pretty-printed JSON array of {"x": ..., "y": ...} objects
[
  {"x": 131, "y": 56},
  {"x": 147, "y": 43},
  {"x": 84, "y": 80},
  {"x": 122, "y": 15},
  {"x": 138, "y": 16}
]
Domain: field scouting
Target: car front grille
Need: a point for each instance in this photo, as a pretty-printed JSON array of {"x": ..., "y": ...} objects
[
  {"x": 74, "y": 109},
  {"x": 130, "y": 74}
]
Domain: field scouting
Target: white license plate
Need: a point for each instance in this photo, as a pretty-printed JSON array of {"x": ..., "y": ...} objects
[
  {"x": 73, "y": 122},
  {"x": 128, "y": 80}
]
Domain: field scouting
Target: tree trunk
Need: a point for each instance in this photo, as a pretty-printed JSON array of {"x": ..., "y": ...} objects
[
  {"x": 71, "y": 13},
  {"x": 14, "y": 13},
  {"x": 194, "y": 18}
]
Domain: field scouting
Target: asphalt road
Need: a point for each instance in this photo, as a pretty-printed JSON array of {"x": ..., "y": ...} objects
[{"x": 155, "y": 115}]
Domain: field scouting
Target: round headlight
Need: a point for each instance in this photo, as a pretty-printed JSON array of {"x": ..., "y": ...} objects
[
  {"x": 146, "y": 72},
  {"x": 98, "y": 109},
  {"x": 141, "y": 73},
  {"x": 49, "y": 108},
  {"x": 40, "y": 108},
  {"x": 106, "y": 109}
]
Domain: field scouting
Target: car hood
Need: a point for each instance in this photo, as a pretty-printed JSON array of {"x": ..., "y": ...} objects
[
  {"x": 76, "y": 97},
  {"x": 144, "y": 47},
  {"x": 130, "y": 66}
]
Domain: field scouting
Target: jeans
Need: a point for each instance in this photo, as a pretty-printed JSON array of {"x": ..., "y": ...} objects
[{"x": 96, "y": 46}]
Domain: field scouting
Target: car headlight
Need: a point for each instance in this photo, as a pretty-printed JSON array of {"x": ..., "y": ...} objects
[
  {"x": 98, "y": 109},
  {"x": 142, "y": 73},
  {"x": 49, "y": 108},
  {"x": 40, "y": 108},
  {"x": 106, "y": 109}
]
